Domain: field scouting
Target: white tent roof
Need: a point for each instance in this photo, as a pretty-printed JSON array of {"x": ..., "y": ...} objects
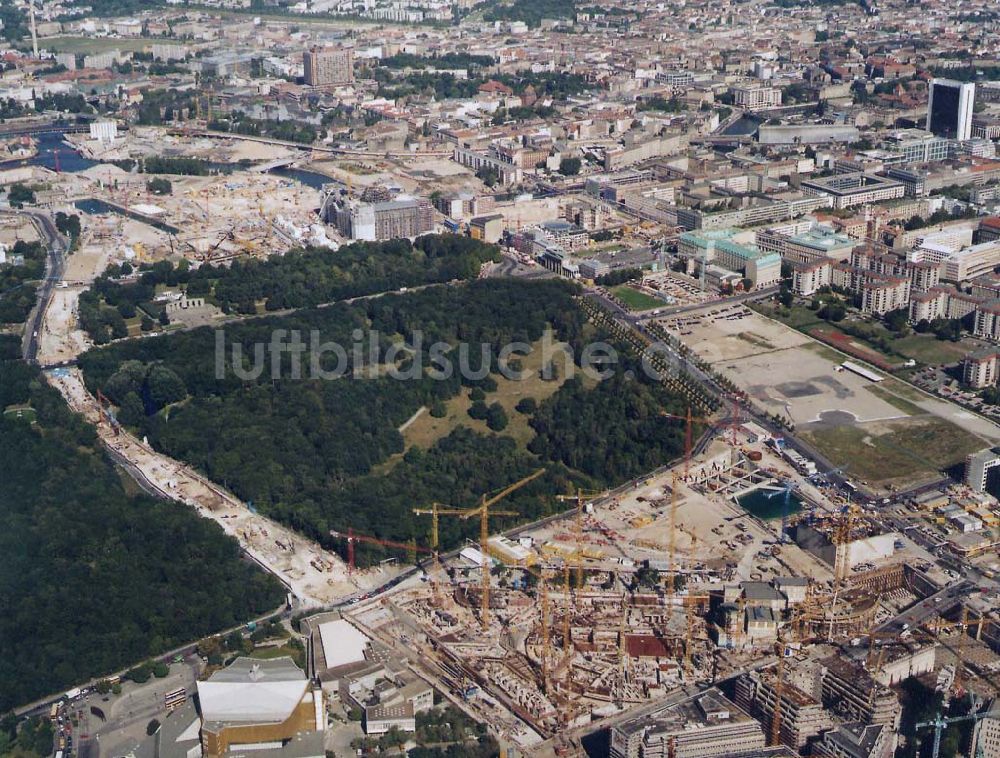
[
  {"x": 255, "y": 691},
  {"x": 255, "y": 702}
]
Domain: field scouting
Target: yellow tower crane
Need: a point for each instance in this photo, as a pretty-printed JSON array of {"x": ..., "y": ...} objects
[
  {"x": 483, "y": 511},
  {"x": 672, "y": 542},
  {"x": 568, "y": 613},
  {"x": 579, "y": 497},
  {"x": 543, "y": 587},
  {"x": 779, "y": 686},
  {"x": 841, "y": 568},
  {"x": 688, "y": 640},
  {"x": 435, "y": 511}
]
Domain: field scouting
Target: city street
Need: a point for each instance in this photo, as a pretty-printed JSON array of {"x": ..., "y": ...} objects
[{"x": 128, "y": 714}]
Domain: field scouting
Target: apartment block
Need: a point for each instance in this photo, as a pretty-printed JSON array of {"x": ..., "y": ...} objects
[
  {"x": 326, "y": 66},
  {"x": 979, "y": 369},
  {"x": 807, "y": 278}
]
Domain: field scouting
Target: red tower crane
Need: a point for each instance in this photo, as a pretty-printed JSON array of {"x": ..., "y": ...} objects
[{"x": 351, "y": 538}]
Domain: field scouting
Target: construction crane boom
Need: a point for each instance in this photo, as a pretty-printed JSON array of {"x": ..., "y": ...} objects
[
  {"x": 580, "y": 497},
  {"x": 779, "y": 686},
  {"x": 689, "y": 433},
  {"x": 483, "y": 512},
  {"x": 352, "y": 538},
  {"x": 435, "y": 511},
  {"x": 940, "y": 723}
]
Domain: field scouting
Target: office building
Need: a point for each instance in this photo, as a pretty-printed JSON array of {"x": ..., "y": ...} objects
[
  {"x": 918, "y": 145},
  {"x": 802, "y": 716},
  {"x": 818, "y": 244},
  {"x": 719, "y": 247},
  {"x": 705, "y": 726},
  {"x": 949, "y": 108},
  {"x": 852, "y": 692},
  {"x": 325, "y": 66},
  {"x": 978, "y": 465},
  {"x": 850, "y": 190},
  {"x": 987, "y": 740},
  {"x": 103, "y": 131},
  {"x": 391, "y": 219},
  {"x": 857, "y": 740},
  {"x": 971, "y": 262}
]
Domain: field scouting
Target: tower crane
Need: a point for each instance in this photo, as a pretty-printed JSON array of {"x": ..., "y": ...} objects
[
  {"x": 579, "y": 497},
  {"x": 105, "y": 410},
  {"x": 842, "y": 540},
  {"x": 672, "y": 542},
  {"x": 779, "y": 686},
  {"x": 483, "y": 511},
  {"x": 568, "y": 614},
  {"x": 435, "y": 511},
  {"x": 940, "y": 723},
  {"x": 688, "y": 639},
  {"x": 543, "y": 589},
  {"x": 352, "y": 538},
  {"x": 689, "y": 432}
]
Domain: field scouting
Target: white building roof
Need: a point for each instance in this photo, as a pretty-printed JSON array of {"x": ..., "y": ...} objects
[
  {"x": 253, "y": 691},
  {"x": 342, "y": 643}
]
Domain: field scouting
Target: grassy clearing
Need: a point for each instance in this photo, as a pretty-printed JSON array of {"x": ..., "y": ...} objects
[
  {"x": 895, "y": 400},
  {"x": 826, "y": 352},
  {"x": 898, "y": 452},
  {"x": 904, "y": 390},
  {"x": 798, "y": 316},
  {"x": 426, "y": 430},
  {"x": 926, "y": 348},
  {"x": 267, "y": 653},
  {"x": 636, "y": 300},
  {"x": 22, "y": 412}
]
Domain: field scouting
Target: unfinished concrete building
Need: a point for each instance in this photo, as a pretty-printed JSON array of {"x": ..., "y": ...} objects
[
  {"x": 705, "y": 726},
  {"x": 802, "y": 716},
  {"x": 850, "y": 691}
]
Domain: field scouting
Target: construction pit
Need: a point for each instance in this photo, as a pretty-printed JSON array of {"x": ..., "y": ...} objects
[
  {"x": 580, "y": 622},
  {"x": 206, "y": 218}
]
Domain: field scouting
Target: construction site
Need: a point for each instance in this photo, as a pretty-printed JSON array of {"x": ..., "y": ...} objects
[{"x": 668, "y": 585}]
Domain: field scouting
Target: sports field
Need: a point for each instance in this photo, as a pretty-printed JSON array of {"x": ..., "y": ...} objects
[{"x": 636, "y": 300}]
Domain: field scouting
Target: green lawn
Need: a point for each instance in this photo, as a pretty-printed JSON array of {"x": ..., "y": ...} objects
[
  {"x": 23, "y": 412},
  {"x": 926, "y": 348},
  {"x": 297, "y": 654},
  {"x": 899, "y": 452},
  {"x": 636, "y": 300}
]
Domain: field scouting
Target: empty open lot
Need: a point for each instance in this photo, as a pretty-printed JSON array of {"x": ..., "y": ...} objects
[
  {"x": 785, "y": 372},
  {"x": 886, "y": 433}
]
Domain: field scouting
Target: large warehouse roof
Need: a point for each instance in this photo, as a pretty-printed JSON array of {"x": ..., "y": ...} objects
[{"x": 342, "y": 643}]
